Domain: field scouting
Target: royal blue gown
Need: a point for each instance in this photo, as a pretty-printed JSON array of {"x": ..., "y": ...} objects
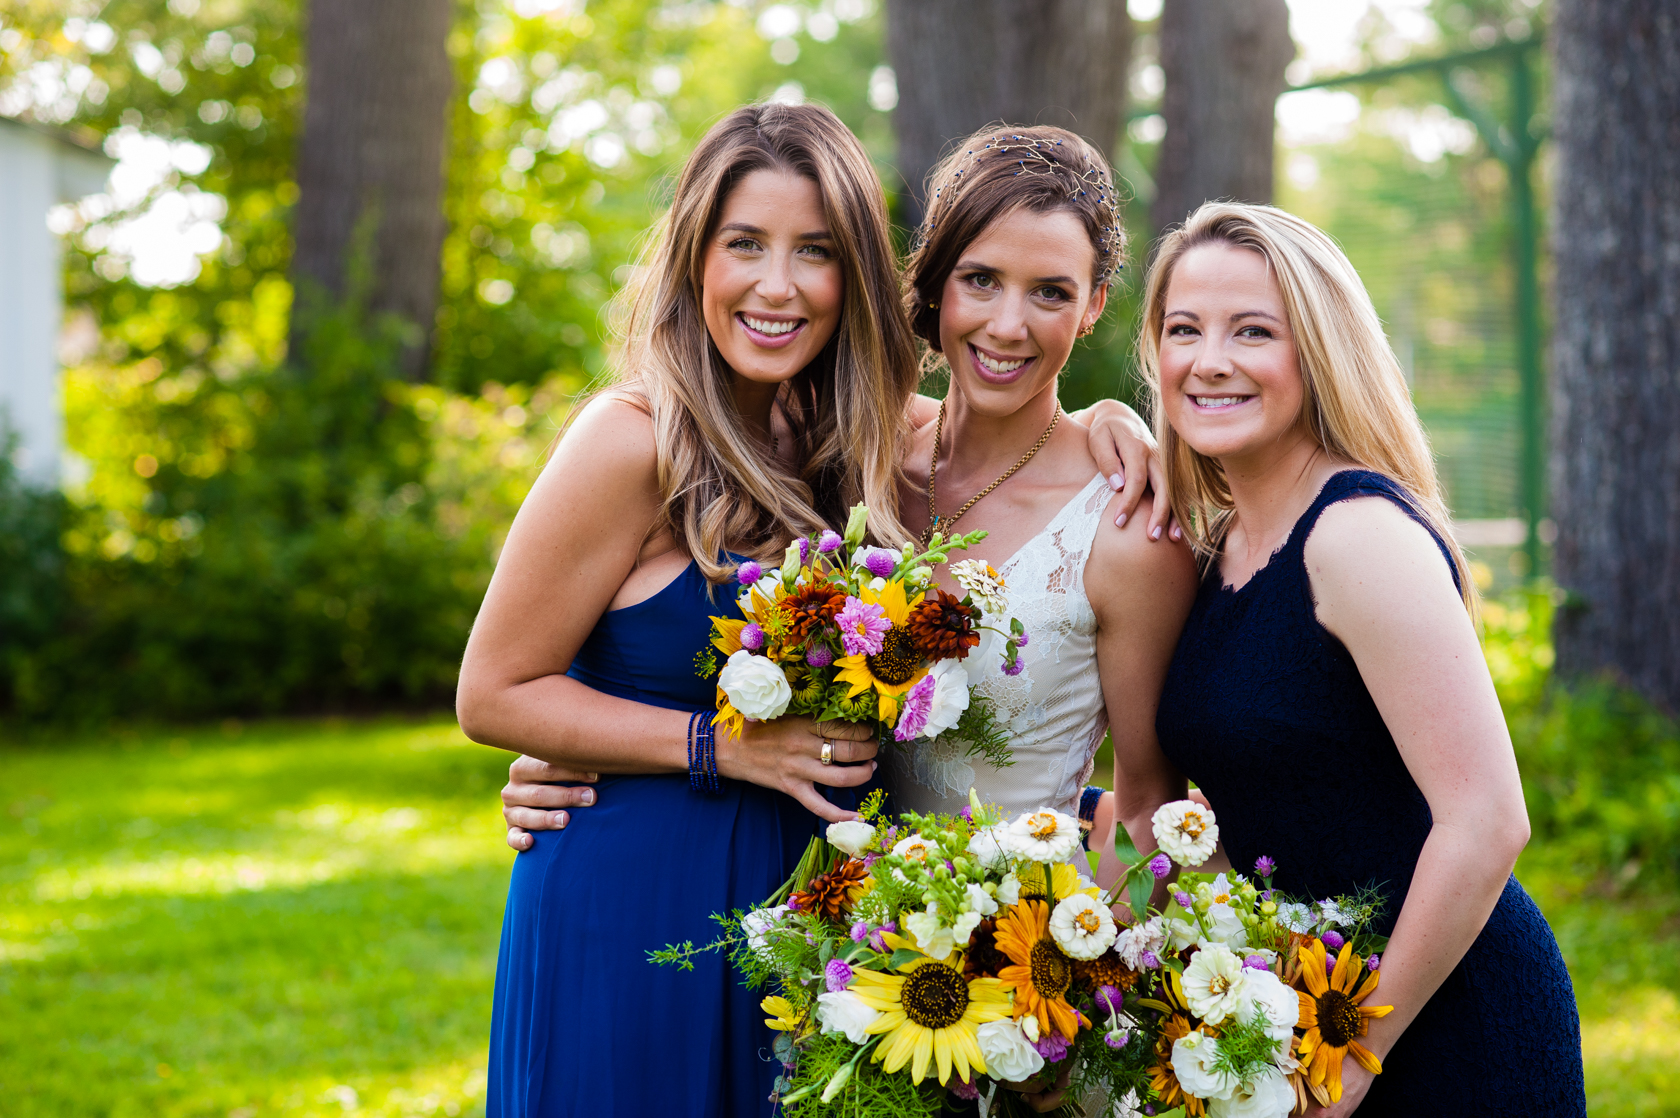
[
  {"x": 1267, "y": 713},
  {"x": 583, "y": 1023}
]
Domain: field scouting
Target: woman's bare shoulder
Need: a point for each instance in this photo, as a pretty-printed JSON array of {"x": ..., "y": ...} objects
[{"x": 1127, "y": 568}]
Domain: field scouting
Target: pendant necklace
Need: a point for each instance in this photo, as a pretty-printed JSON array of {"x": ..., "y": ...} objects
[{"x": 934, "y": 519}]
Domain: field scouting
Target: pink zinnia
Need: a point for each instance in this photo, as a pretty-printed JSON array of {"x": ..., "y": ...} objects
[
  {"x": 913, "y": 715},
  {"x": 863, "y": 627}
]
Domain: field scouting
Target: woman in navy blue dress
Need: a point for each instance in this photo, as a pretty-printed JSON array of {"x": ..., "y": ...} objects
[
  {"x": 1328, "y": 693},
  {"x": 766, "y": 372}
]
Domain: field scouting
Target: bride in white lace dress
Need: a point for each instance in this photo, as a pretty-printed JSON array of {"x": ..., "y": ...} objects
[{"x": 1013, "y": 265}]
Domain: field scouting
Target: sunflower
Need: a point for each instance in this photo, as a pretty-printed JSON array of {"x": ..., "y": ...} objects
[
  {"x": 811, "y": 608},
  {"x": 897, "y": 667},
  {"x": 830, "y": 894},
  {"x": 1333, "y": 1018},
  {"x": 788, "y": 1018},
  {"x": 942, "y": 627},
  {"x": 1175, "y": 1024},
  {"x": 1041, "y": 973},
  {"x": 930, "y": 1014},
  {"x": 982, "y": 958},
  {"x": 1064, "y": 881}
]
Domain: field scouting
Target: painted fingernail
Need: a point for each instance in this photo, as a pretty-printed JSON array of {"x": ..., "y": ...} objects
[
  {"x": 587, "y": 796},
  {"x": 1155, "y": 533},
  {"x": 1120, "y": 521},
  {"x": 1178, "y": 533},
  {"x": 1118, "y": 481}
]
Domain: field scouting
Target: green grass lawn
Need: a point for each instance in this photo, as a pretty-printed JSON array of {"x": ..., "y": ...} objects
[{"x": 301, "y": 919}]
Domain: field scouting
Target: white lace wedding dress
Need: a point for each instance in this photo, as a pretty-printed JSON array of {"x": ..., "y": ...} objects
[{"x": 1053, "y": 709}]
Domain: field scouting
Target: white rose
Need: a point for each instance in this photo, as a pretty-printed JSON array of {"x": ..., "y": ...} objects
[
  {"x": 1151, "y": 935},
  {"x": 1193, "y": 1060},
  {"x": 758, "y": 922},
  {"x": 950, "y": 697},
  {"x": 1226, "y": 926},
  {"x": 1008, "y": 1054},
  {"x": 1009, "y": 889},
  {"x": 766, "y": 587},
  {"x": 845, "y": 1012},
  {"x": 1082, "y": 927},
  {"x": 1267, "y": 994},
  {"x": 851, "y": 835},
  {"x": 985, "y": 660},
  {"x": 1045, "y": 835},
  {"x": 1268, "y": 1095},
  {"x": 1215, "y": 983},
  {"x": 1186, "y": 832},
  {"x": 935, "y": 939},
  {"x": 987, "y": 850},
  {"x": 756, "y": 686}
]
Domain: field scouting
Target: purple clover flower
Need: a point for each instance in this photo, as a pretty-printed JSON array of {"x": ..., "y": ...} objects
[
  {"x": 1329, "y": 964},
  {"x": 1264, "y": 866},
  {"x": 863, "y": 627},
  {"x": 1150, "y": 960},
  {"x": 1052, "y": 1046},
  {"x": 1182, "y": 898},
  {"x": 1021, "y": 640},
  {"x": 963, "y": 1089},
  {"x": 1015, "y": 668},
  {"x": 1149, "y": 1110},
  {"x": 749, "y": 573},
  {"x": 804, "y": 550},
  {"x": 1256, "y": 962},
  {"x": 1109, "y": 999},
  {"x": 829, "y": 541},
  {"x": 819, "y": 656},
  {"x": 967, "y": 813},
  {"x": 880, "y": 562},
  {"x": 838, "y": 975},
  {"x": 752, "y": 637},
  {"x": 1373, "y": 962},
  {"x": 876, "y": 939},
  {"x": 1160, "y": 866},
  {"x": 860, "y": 932},
  {"x": 1117, "y": 1039},
  {"x": 1332, "y": 940},
  {"x": 917, "y": 705}
]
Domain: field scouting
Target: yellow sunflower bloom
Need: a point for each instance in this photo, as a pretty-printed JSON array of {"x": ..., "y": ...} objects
[
  {"x": 1041, "y": 973},
  {"x": 897, "y": 667},
  {"x": 786, "y": 1016},
  {"x": 1064, "y": 881},
  {"x": 930, "y": 1016},
  {"x": 1175, "y": 1025},
  {"x": 1333, "y": 1018}
]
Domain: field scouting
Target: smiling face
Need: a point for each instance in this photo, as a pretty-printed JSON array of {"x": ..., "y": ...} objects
[
  {"x": 1014, "y": 304},
  {"x": 1230, "y": 375},
  {"x": 771, "y": 282}
]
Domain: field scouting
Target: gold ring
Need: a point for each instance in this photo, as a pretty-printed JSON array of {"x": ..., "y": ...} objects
[{"x": 827, "y": 752}]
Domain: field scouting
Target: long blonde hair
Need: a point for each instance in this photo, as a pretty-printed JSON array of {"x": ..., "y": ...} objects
[
  {"x": 1356, "y": 400},
  {"x": 846, "y": 408}
]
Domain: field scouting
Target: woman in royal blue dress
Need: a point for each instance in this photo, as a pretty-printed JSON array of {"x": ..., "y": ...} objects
[
  {"x": 767, "y": 369},
  {"x": 1328, "y": 693}
]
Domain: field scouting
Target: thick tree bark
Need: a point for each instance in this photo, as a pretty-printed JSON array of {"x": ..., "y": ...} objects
[
  {"x": 370, "y": 164},
  {"x": 962, "y": 64},
  {"x": 1223, "y": 61},
  {"x": 1616, "y": 346}
]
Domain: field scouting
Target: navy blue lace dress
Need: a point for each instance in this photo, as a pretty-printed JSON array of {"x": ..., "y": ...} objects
[{"x": 1266, "y": 712}]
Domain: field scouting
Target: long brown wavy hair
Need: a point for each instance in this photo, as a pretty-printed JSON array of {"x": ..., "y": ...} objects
[
  {"x": 1356, "y": 400},
  {"x": 846, "y": 408}
]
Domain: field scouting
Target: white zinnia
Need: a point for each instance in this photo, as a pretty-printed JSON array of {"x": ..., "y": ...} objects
[
  {"x": 1193, "y": 1060},
  {"x": 1215, "y": 983},
  {"x": 1009, "y": 1055},
  {"x": 845, "y": 1012},
  {"x": 755, "y": 685},
  {"x": 1267, "y": 1095},
  {"x": 950, "y": 697},
  {"x": 1130, "y": 944},
  {"x": 1045, "y": 835},
  {"x": 850, "y": 835},
  {"x": 1186, "y": 832},
  {"x": 912, "y": 848},
  {"x": 1267, "y": 994},
  {"x": 758, "y": 922},
  {"x": 978, "y": 578},
  {"x": 987, "y": 848},
  {"x": 1082, "y": 927}
]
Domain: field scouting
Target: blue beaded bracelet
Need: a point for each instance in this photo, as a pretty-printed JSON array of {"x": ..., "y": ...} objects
[
  {"x": 702, "y": 754},
  {"x": 1088, "y": 813}
]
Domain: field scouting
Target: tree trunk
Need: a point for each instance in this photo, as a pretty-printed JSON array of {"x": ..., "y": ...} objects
[
  {"x": 370, "y": 164},
  {"x": 1616, "y": 346},
  {"x": 1223, "y": 61},
  {"x": 962, "y": 64}
]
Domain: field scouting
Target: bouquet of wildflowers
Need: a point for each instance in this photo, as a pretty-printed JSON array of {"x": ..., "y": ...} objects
[
  {"x": 914, "y": 957},
  {"x": 860, "y": 634},
  {"x": 1251, "y": 1001}
]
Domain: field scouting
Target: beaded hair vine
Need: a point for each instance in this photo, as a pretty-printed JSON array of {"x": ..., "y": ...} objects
[{"x": 1037, "y": 156}]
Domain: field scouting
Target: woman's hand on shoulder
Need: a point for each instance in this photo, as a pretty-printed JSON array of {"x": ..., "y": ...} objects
[{"x": 1129, "y": 458}]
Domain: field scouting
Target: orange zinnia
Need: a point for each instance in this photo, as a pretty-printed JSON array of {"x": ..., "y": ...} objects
[{"x": 1041, "y": 974}]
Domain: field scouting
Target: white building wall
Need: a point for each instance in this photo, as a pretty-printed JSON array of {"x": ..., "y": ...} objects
[{"x": 37, "y": 170}]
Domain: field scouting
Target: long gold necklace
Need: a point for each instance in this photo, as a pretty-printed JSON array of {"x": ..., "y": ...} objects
[{"x": 934, "y": 519}]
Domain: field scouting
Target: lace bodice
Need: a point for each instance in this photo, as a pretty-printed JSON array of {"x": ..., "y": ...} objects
[{"x": 1053, "y": 708}]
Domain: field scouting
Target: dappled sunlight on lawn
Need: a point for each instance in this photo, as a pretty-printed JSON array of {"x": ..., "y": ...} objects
[{"x": 1633, "y": 1056}]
